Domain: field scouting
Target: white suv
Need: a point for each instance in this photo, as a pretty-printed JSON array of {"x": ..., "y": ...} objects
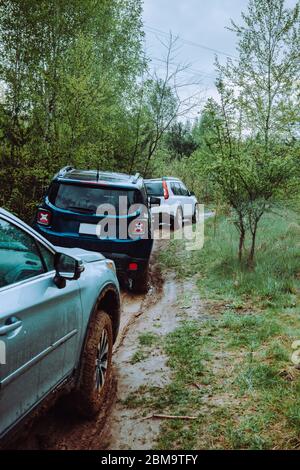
[{"x": 177, "y": 203}]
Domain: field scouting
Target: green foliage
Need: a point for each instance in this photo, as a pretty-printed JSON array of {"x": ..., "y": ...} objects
[
  {"x": 234, "y": 371},
  {"x": 148, "y": 339},
  {"x": 180, "y": 141},
  {"x": 249, "y": 330},
  {"x": 248, "y": 140},
  {"x": 185, "y": 348},
  {"x": 67, "y": 71},
  {"x": 75, "y": 89},
  {"x": 248, "y": 434},
  {"x": 138, "y": 356},
  {"x": 274, "y": 283}
]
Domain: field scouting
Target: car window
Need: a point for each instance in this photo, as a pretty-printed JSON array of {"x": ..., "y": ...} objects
[
  {"x": 47, "y": 256},
  {"x": 19, "y": 256},
  {"x": 144, "y": 194},
  {"x": 87, "y": 199},
  {"x": 178, "y": 189},
  {"x": 174, "y": 188},
  {"x": 155, "y": 188},
  {"x": 183, "y": 190}
]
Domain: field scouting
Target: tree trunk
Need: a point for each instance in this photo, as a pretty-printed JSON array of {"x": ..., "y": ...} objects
[
  {"x": 241, "y": 244},
  {"x": 252, "y": 251},
  {"x": 242, "y": 231}
]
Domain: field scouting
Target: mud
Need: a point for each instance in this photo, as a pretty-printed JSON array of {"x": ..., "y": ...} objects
[
  {"x": 125, "y": 428},
  {"x": 118, "y": 426}
]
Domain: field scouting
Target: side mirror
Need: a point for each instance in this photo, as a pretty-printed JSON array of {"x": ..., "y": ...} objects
[
  {"x": 67, "y": 268},
  {"x": 154, "y": 201},
  {"x": 191, "y": 193}
]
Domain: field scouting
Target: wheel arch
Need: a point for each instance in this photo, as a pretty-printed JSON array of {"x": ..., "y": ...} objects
[{"x": 108, "y": 301}]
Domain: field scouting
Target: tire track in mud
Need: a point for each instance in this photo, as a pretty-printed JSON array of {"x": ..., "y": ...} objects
[
  {"x": 119, "y": 427},
  {"x": 163, "y": 310},
  {"x": 57, "y": 428},
  {"x": 125, "y": 428}
]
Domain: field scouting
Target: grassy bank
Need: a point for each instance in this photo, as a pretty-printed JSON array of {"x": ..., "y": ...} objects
[
  {"x": 233, "y": 371},
  {"x": 274, "y": 282}
]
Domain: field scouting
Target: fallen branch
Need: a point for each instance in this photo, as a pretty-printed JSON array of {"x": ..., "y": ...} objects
[
  {"x": 157, "y": 416},
  {"x": 197, "y": 386}
]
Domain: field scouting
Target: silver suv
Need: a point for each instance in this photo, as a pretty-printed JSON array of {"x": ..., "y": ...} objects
[
  {"x": 177, "y": 203},
  {"x": 59, "y": 318}
]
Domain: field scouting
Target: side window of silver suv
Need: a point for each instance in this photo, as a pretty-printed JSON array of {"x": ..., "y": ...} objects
[
  {"x": 176, "y": 189},
  {"x": 48, "y": 257},
  {"x": 19, "y": 255},
  {"x": 184, "y": 191}
]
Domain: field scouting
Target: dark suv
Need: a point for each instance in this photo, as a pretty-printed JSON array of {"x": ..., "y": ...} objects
[{"x": 79, "y": 204}]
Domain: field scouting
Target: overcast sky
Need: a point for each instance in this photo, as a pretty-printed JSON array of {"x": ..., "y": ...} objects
[{"x": 199, "y": 21}]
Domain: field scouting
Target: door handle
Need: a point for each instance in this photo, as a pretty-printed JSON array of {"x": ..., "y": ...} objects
[{"x": 13, "y": 325}]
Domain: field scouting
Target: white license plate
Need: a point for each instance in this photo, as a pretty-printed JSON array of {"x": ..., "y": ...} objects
[{"x": 89, "y": 229}]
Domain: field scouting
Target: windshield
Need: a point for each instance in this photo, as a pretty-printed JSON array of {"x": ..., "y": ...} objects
[
  {"x": 87, "y": 199},
  {"x": 155, "y": 188}
]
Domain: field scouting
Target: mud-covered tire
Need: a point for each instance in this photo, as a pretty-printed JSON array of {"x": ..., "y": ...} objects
[
  {"x": 141, "y": 285},
  {"x": 92, "y": 392}
]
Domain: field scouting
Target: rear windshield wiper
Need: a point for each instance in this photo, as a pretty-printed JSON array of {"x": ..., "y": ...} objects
[{"x": 82, "y": 209}]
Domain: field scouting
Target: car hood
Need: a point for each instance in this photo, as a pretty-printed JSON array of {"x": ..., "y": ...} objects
[{"x": 85, "y": 255}]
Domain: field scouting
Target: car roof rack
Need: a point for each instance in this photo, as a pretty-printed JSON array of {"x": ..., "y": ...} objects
[
  {"x": 168, "y": 178},
  {"x": 65, "y": 170}
]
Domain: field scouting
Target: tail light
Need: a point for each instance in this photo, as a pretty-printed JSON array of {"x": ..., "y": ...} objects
[
  {"x": 166, "y": 191},
  {"x": 133, "y": 267},
  {"x": 43, "y": 217}
]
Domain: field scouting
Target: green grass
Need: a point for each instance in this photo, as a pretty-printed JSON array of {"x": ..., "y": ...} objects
[
  {"x": 248, "y": 434},
  {"x": 138, "y": 356},
  {"x": 147, "y": 341},
  {"x": 249, "y": 330},
  {"x": 234, "y": 372},
  {"x": 273, "y": 282}
]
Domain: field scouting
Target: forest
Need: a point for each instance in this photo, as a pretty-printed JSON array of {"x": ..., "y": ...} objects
[
  {"x": 211, "y": 354},
  {"x": 77, "y": 88}
]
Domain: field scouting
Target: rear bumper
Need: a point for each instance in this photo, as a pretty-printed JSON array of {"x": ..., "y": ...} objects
[
  {"x": 122, "y": 263},
  {"x": 165, "y": 209},
  {"x": 121, "y": 252}
]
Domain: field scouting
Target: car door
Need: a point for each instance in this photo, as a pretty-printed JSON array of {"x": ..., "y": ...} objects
[
  {"x": 174, "y": 200},
  {"x": 187, "y": 201},
  {"x": 37, "y": 321},
  {"x": 179, "y": 200}
]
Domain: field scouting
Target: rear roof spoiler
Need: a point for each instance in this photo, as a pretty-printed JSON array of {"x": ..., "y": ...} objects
[
  {"x": 65, "y": 170},
  {"x": 135, "y": 178}
]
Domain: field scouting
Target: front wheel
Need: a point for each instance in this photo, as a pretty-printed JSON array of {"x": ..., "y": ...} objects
[{"x": 96, "y": 365}]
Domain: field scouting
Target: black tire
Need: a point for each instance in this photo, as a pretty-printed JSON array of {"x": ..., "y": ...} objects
[
  {"x": 178, "y": 220},
  {"x": 96, "y": 366},
  {"x": 141, "y": 285},
  {"x": 195, "y": 215}
]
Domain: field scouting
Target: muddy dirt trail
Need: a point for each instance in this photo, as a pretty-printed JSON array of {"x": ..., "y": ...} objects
[
  {"x": 118, "y": 427},
  {"x": 125, "y": 427}
]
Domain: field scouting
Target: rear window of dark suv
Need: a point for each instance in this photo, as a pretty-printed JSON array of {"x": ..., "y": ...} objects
[{"x": 87, "y": 198}]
